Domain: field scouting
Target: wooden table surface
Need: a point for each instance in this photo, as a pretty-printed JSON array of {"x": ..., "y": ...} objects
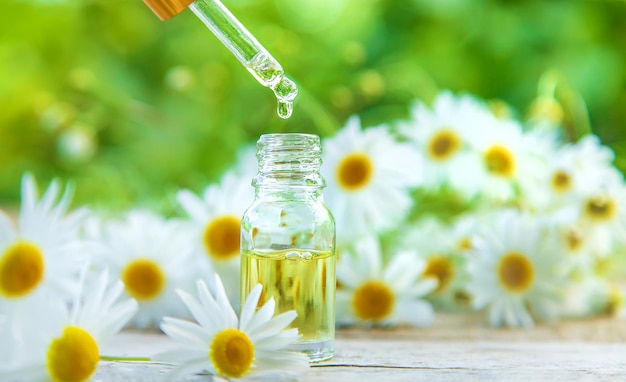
[{"x": 456, "y": 348}]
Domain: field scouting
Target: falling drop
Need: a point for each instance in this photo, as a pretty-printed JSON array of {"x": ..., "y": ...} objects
[{"x": 284, "y": 109}]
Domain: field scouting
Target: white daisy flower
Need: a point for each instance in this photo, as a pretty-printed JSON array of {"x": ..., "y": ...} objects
[
  {"x": 222, "y": 344},
  {"x": 506, "y": 156},
  {"x": 369, "y": 176},
  {"x": 445, "y": 253},
  {"x": 215, "y": 224},
  {"x": 587, "y": 295},
  {"x": 464, "y": 229},
  {"x": 63, "y": 345},
  {"x": 437, "y": 251},
  {"x": 42, "y": 256},
  {"x": 372, "y": 294},
  {"x": 516, "y": 271},
  {"x": 574, "y": 241},
  {"x": 603, "y": 213},
  {"x": 570, "y": 171},
  {"x": 153, "y": 257},
  {"x": 441, "y": 134}
]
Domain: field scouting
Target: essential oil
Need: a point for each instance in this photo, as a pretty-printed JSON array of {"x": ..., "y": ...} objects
[{"x": 300, "y": 280}]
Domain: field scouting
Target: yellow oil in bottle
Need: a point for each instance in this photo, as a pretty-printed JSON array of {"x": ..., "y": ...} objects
[{"x": 302, "y": 280}]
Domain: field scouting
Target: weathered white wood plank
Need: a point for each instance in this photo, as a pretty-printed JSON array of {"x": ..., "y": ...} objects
[{"x": 573, "y": 351}]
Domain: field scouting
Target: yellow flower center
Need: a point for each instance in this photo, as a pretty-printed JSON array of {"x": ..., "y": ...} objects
[
  {"x": 232, "y": 353},
  {"x": 465, "y": 244},
  {"x": 221, "y": 237},
  {"x": 21, "y": 269},
  {"x": 444, "y": 144},
  {"x": 600, "y": 209},
  {"x": 516, "y": 272},
  {"x": 616, "y": 300},
  {"x": 373, "y": 300},
  {"x": 561, "y": 181},
  {"x": 143, "y": 279},
  {"x": 441, "y": 269},
  {"x": 574, "y": 239},
  {"x": 499, "y": 161},
  {"x": 355, "y": 171},
  {"x": 73, "y": 357}
]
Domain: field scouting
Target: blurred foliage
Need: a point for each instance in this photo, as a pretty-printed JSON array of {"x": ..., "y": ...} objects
[{"x": 130, "y": 108}]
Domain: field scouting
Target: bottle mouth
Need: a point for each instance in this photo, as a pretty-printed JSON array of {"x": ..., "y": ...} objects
[
  {"x": 165, "y": 9},
  {"x": 289, "y": 141},
  {"x": 291, "y": 158}
]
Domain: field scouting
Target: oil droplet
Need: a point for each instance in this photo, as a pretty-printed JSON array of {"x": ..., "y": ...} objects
[
  {"x": 285, "y": 109},
  {"x": 285, "y": 92},
  {"x": 270, "y": 73}
]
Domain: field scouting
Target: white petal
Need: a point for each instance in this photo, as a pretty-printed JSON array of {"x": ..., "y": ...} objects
[
  {"x": 343, "y": 310},
  {"x": 49, "y": 197},
  {"x": 369, "y": 250},
  {"x": 29, "y": 197},
  {"x": 263, "y": 316},
  {"x": 7, "y": 231},
  {"x": 173, "y": 329},
  {"x": 249, "y": 307},
  {"x": 277, "y": 341},
  {"x": 402, "y": 271},
  {"x": 223, "y": 303},
  {"x": 191, "y": 327},
  {"x": 116, "y": 318},
  {"x": 193, "y": 205},
  {"x": 281, "y": 360},
  {"x": 417, "y": 313},
  {"x": 420, "y": 289},
  {"x": 496, "y": 312},
  {"x": 190, "y": 367},
  {"x": 273, "y": 326},
  {"x": 206, "y": 314}
]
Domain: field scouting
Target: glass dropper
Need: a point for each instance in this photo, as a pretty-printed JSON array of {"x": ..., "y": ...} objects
[{"x": 259, "y": 62}]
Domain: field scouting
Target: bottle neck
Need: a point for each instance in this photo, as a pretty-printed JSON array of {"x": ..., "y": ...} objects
[{"x": 289, "y": 163}]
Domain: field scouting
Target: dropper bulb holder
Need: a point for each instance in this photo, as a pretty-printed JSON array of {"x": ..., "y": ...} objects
[{"x": 166, "y": 9}]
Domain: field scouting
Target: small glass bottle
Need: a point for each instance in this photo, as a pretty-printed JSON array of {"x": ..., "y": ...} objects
[{"x": 288, "y": 239}]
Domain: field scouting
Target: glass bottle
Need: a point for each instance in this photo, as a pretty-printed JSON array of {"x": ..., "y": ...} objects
[{"x": 288, "y": 239}]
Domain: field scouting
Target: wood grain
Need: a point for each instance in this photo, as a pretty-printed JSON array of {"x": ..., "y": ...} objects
[{"x": 457, "y": 348}]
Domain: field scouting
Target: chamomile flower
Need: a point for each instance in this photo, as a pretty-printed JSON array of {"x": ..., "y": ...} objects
[
  {"x": 441, "y": 265},
  {"x": 516, "y": 271},
  {"x": 215, "y": 225},
  {"x": 603, "y": 213},
  {"x": 443, "y": 248},
  {"x": 377, "y": 295},
  {"x": 506, "y": 156},
  {"x": 153, "y": 257},
  {"x": 369, "y": 176},
  {"x": 64, "y": 345},
  {"x": 41, "y": 256},
  {"x": 573, "y": 240},
  {"x": 569, "y": 172},
  {"x": 222, "y": 344},
  {"x": 587, "y": 294},
  {"x": 441, "y": 134}
]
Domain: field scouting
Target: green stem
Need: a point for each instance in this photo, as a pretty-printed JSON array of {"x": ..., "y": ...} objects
[{"x": 125, "y": 359}]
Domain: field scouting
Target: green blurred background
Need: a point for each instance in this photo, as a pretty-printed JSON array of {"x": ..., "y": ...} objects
[{"x": 130, "y": 109}]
